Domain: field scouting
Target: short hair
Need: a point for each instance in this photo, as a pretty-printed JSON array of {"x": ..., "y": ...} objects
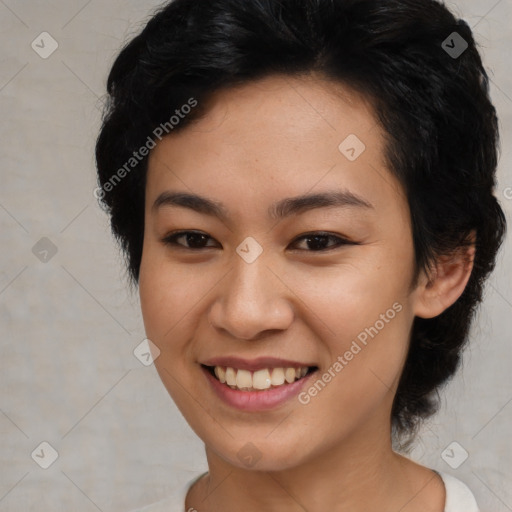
[{"x": 440, "y": 127}]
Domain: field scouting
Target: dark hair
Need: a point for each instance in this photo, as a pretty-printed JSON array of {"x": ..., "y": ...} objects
[{"x": 433, "y": 106}]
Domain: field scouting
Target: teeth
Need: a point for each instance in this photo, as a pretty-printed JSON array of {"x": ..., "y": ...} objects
[
  {"x": 278, "y": 376},
  {"x": 261, "y": 379},
  {"x": 220, "y": 373},
  {"x": 243, "y": 379},
  {"x": 231, "y": 377},
  {"x": 289, "y": 375}
]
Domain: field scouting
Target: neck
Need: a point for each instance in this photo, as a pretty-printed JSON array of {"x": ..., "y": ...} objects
[{"x": 362, "y": 473}]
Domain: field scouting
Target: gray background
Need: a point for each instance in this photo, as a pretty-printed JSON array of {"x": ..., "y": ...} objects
[{"x": 69, "y": 325}]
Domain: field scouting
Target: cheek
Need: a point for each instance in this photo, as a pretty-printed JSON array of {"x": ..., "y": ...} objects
[
  {"x": 359, "y": 380},
  {"x": 349, "y": 297},
  {"x": 360, "y": 312},
  {"x": 168, "y": 297},
  {"x": 171, "y": 295},
  {"x": 159, "y": 290}
]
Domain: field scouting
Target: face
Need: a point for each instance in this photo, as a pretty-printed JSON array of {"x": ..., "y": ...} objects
[{"x": 296, "y": 253}]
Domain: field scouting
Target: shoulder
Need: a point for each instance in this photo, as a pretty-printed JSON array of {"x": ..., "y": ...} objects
[{"x": 458, "y": 496}]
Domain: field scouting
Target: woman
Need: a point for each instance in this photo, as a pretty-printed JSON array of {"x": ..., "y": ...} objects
[{"x": 304, "y": 193}]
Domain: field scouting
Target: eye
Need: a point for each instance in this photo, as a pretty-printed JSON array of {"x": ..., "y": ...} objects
[
  {"x": 195, "y": 240},
  {"x": 318, "y": 242}
]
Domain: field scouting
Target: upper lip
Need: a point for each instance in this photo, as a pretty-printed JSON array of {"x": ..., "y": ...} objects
[{"x": 254, "y": 364}]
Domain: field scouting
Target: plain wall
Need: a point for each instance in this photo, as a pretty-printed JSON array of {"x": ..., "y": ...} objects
[{"x": 69, "y": 325}]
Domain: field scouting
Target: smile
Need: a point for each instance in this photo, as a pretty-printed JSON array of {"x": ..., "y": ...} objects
[
  {"x": 258, "y": 389},
  {"x": 266, "y": 378}
]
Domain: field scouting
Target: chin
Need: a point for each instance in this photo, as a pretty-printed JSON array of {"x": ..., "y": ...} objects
[{"x": 257, "y": 455}]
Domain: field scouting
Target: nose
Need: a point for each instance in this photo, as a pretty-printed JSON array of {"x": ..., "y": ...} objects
[{"x": 251, "y": 302}]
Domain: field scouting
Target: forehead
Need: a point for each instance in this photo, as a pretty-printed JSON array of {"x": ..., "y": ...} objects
[
  {"x": 296, "y": 108},
  {"x": 275, "y": 137}
]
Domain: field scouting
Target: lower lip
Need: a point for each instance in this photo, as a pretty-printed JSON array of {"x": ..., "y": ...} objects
[{"x": 256, "y": 400}]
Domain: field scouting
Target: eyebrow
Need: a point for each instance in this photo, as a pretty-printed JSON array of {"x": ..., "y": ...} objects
[{"x": 279, "y": 210}]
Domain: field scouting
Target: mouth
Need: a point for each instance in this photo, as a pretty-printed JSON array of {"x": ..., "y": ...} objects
[{"x": 260, "y": 380}]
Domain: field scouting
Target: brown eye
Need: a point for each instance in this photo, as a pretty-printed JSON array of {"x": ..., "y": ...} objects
[
  {"x": 194, "y": 240},
  {"x": 317, "y": 242}
]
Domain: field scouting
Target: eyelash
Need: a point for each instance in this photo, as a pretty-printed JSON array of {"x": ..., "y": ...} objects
[{"x": 172, "y": 237}]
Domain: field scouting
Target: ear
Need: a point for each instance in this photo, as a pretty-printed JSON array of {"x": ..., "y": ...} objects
[{"x": 449, "y": 277}]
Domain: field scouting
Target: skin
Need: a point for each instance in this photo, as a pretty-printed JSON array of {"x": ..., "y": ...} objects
[{"x": 258, "y": 143}]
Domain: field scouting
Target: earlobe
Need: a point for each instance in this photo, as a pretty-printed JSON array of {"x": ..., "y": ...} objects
[{"x": 446, "y": 283}]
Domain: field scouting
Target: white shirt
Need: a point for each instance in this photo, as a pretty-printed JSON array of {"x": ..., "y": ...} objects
[{"x": 458, "y": 498}]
